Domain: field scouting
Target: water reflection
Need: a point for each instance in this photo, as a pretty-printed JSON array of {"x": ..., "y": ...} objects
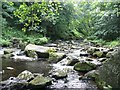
[{"x": 34, "y": 67}]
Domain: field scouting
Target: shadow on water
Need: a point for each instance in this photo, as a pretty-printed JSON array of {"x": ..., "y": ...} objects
[{"x": 35, "y": 67}]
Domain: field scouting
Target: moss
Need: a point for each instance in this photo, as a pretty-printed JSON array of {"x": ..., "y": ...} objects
[
  {"x": 98, "y": 54},
  {"x": 41, "y": 81},
  {"x": 83, "y": 67},
  {"x": 55, "y": 57},
  {"x": 31, "y": 53}
]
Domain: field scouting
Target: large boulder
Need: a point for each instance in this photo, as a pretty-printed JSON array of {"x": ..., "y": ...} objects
[
  {"x": 110, "y": 71},
  {"x": 42, "y": 51},
  {"x": 84, "y": 66},
  {"x": 40, "y": 82}
]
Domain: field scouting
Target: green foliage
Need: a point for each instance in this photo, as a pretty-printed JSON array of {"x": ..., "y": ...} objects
[
  {"x": 113, "y": 43},
  {"x": 4, "y": 42},
  {"x": 107, "y": 26},
  {"x": 65, "y": 20},
  {"x": 8, "y": 33},
  {"x": 32, "y": 15}
]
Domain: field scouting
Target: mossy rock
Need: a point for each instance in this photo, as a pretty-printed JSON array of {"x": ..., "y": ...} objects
[
  {"x": 109, "y": 54},
  {"x": 31, "y": 53},
  {"x": 25, "y": 75},
  {"x": 91, "y": 50},
  {"x": 98, "y": 54},
  {"x": 84, "y": 66},
  {"x": 42, "y": 51},
  {"x": 92, "y": 74},
  {"x": 40, "y": 82},
  {"x": 55, "y": 57},
  {"x": 22, "y": 45}
]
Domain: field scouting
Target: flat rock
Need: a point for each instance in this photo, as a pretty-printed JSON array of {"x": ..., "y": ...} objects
[{"x": 42, "y": 51}]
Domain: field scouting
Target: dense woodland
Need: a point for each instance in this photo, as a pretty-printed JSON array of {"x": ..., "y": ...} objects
[
  {"x": 98, "y": 21},
  {"x": 52, "y": 45}
]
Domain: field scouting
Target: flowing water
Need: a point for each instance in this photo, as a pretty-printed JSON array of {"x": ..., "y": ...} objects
[
  {"x": 35, "y": 67},
  {"x": 11, "y": 68}
]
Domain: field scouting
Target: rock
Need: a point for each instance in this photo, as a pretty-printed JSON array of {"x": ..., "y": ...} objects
[
  {"x": 16, "y": 41},
  {"x": 25, "y": 75},
  {"x": 109, "y": 54},
  {"x": 91, "y": 50},
  {"x": 84, "y": 54},
  {"x": 55, "y": 56},
  {"x": 7, "y": 56},
  {"x": 102, "y": 59},
  {"x": 110, "y": 70},
  {"x": 22, "y": 45},
  {"x": 8, "y": 51},
  {"x": 89, "y": 59},
  {"x": 60, "y": 74},
  {"x": 71, "y": 61},
  {"x": 31, "y": 53},
  {"x": 92, "y": 74},
  {"x": 64, "y": 62},
  {"x": 40, "y": 82},
  {"x": 84, "y": 66},
  {"x": 42, "y": 51},
  {"x": 98, "y": 54}
]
